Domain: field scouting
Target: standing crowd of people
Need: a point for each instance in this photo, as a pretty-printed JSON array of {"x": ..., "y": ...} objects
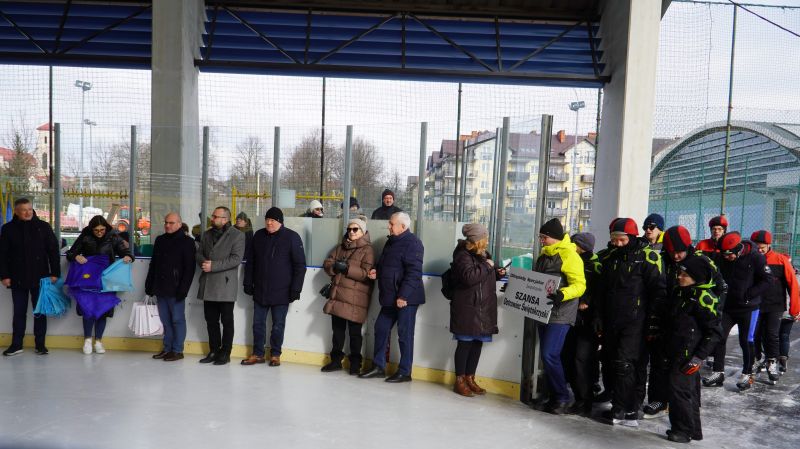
[{"x": 642, "y": 314}]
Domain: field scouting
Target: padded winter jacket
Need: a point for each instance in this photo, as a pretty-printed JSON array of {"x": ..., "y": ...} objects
[
  {"x": 28, "y": 252},
  {"x": 631, "y": 282},
  {"x": 692, "y": 323},
  {"x": 473, "y": 310},
  {"x": 717, "y": 284},
  {"x": 276, "y": 268},
  {"x": 748, "y": 278},
  {"x": 708, "y": 247},
  {"x": 172, "y": 267},
  {"x": 784, "y": 282},
  {"x": 352, "y": 290},
  {"x": 562, "y": 259},
  {"x": 400, "y": 270}
]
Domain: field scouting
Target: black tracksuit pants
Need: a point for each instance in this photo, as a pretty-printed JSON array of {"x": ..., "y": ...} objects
[
  {"x": 767, "y": 340},
  {"x": 579, "y": 358},
  {"x": 746, "y": 321},
  {"x": 658, "y": 373},
  {"x": 684, "y": 401},
  {"x": 622, "y": 348}
]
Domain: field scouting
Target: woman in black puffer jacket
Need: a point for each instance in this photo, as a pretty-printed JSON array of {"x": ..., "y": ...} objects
[
  {"x": 473, "y": 311},
  {"x": 95, "y": 239}
]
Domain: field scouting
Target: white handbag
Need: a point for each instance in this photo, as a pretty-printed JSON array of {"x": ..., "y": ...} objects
[{"x": 144, "y": 321}]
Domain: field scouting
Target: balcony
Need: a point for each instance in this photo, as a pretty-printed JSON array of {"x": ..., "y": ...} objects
[
  {"x": 586, "y": 194},
  {"x": 556, "y": 212},
  {"x": 517, "y": 193},
  {"x": 557, "y": 194},
  {"x": 558, "y": 160},
  {"x": 585, "y": 213},
  {"x": 518, "y": 176},
  {"x": 518, "y": 210},
  {"x": 557, "y": 177},
  {"x": 587, "y": 178}
]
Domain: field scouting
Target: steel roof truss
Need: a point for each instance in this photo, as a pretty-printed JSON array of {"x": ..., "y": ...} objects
[
  {"x": 354, "y": 38},
  {"x": 23, "y": 32},
  {"x": 263, "y": 36},
  {"x": 106, "y": 29},
  {"x": 543, "y": 47},
  {"x": 453, "y": 43}
]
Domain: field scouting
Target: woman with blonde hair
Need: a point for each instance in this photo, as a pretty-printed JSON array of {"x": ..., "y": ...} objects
[{"x": 473, "y": 310}]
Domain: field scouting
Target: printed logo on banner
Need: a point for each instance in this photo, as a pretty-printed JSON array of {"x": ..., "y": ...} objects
[{"x": 527, "y": 293}]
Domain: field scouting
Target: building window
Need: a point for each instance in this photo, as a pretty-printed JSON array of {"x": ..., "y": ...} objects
[{"x": 483, "y": 184}]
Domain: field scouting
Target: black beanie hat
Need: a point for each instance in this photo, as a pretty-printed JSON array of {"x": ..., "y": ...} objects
[
  {"x": 698, "y": 268},
  {"x": 275, "y": 214},
  {"x": 553, "y": 229},
  {"x": 387, "y": 192}
]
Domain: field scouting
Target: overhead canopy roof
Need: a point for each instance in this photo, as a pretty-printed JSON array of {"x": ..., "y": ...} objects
[{"x": 543, "y": 42}]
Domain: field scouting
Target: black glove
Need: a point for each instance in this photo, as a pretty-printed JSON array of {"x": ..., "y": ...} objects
[
  {"x": 340, "y": 266},
  {"x": 149, "y": 293},
  {"x": 692, "y": 366},
  {"x": 555, "y": 297},
  {"x": 294, "y": 296},
  {"x": 248, "y": 290},
  {"x": 597, "y": 326},
  {"x": 503, "y": 287}
]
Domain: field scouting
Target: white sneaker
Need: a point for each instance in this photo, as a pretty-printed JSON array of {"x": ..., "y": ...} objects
[
  {"x": 98, "y": 347},
  {"x": 87, "y": 346}
]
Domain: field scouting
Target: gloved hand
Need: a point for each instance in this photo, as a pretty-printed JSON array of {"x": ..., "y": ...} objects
[
  {"x": 555, "y": 297},
  {"x": 597, "y": 326},
  {"x": 653, "y": 331},
  {"x": 248, "y": 290},
  {"x": 340, "y": 266},
  {"x": 503, "y": 287},
  {"x": 294, "y": 296},
  {"x": 692, "y": 366}
]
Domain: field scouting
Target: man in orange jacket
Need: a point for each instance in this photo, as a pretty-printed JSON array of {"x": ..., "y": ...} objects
[
  {"x": 773, "y": 304},
  {"x": 718, "y": 226}
]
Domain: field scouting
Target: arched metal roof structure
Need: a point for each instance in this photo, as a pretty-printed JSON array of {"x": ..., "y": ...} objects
[{"x": 541, "y": 42}]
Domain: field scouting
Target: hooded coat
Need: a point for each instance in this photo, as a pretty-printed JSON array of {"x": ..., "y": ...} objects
[
  {"x": 562, "y": 259},
  {"x": 473, "y": 310},
  {"x": 351, "y": 292}
]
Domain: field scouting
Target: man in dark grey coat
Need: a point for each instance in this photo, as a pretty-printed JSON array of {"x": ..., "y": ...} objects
[
  {"x": 220, "y": 253},
  {"x": 274, "y": 274},
  {"x": 28, "y": 253}
]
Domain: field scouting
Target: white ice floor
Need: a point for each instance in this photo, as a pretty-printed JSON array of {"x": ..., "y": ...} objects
[{"x": 128, "y": 400}]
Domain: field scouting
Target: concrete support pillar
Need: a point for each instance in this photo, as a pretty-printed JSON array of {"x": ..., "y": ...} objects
[
  {"x": 175, "y": 134},
  {"x": 629, "y": 29}
]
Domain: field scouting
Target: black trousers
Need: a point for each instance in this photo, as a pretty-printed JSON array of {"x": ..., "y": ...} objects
[
  {"x": 684, "y": 402},
  {"x": 785, "y": 332},
  {"x": 20, "y": 298},
  {"x": 339, "y": 325},
  {"x": 767, "y": 339},
  {"x": 215, "y": 312},
  {"x": 622, "y": 347},
  {"x": 746, "y": 321},
  {"x": 579, "y": 358},
  {"x": 653, "y": 364}
]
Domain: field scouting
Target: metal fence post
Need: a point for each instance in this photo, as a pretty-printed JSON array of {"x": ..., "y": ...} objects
[
  {"x": 744, "y": 193},
  {"x": 501, "y": 191},
  {"x": 57, "y": 192},
  {"x": 204, "y": 184},
  {"x": 423, "y": 155},
  {"x": 132, "y": 189},
  {"x": 793, "y": 240},
  {"x": 276, "y": 168},
  {"x": 495, "y": 188},
  {"x": 348, "y": 173}
]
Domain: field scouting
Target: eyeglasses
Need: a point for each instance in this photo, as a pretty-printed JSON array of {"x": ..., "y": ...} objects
[
  {"x": 353, "y": 230},
  {"x": 650, "y": 227}
]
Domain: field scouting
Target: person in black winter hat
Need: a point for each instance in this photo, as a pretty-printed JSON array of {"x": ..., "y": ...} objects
[
  {"x": 275, "y": 214},
  {"x": 387, "y": 207},
  {"x": 553, "y": 228},
  {"x": 654, "y": 231}
]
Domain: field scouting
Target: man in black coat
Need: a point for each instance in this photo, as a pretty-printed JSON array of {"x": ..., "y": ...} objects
[
  {"x": 399, "y": 275},
  {"x": 387, "y": 208},
  {"x": 168, "y": 279},
  {"x": 273, "y": 275},
  {"x": 28, "y": 252}
]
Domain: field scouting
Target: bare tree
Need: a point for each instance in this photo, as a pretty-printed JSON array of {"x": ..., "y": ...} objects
[
  {"x": 302, "y": 169},
  {"x": 249, "y": 167},
  {"x": 21, "y": 141}
]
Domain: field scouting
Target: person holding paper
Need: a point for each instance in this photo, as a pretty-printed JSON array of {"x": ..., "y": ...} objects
[
  {"x": 559, "y": 257},
  {"x": 98, "y": 238}
]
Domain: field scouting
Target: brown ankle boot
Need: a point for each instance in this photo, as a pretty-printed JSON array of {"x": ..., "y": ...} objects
[
  {"x": 461, "y": 387},
  {"x": 475, "y": 388}
]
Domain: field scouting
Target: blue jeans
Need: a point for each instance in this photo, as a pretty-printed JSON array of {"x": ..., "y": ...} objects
[
  {"x": 260, "y": 328},
  {"x": 99, "y": 326},
  {"x": 20, "y": 299},
  {"x": 551, "y": 341},
  {"x": 406, "y": 319},
  {"x": 173, "y": 318}
]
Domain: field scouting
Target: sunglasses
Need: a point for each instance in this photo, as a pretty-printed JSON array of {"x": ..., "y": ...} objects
[
  {"x": 353, "y": 230},
  {"x": 650, "y": 227}
]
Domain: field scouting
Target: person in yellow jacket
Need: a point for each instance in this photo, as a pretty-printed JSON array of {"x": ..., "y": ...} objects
[{"x": 559, "y": 257}]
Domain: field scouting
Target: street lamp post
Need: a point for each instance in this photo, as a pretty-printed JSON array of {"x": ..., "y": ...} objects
[
  {"x": 84, "y": 86},
  {"x": 91, "y": 124},
  {"x": 574, "y": 106}
]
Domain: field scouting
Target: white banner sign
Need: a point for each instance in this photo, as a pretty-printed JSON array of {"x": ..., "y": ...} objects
[{"x": 527, "y": 292}]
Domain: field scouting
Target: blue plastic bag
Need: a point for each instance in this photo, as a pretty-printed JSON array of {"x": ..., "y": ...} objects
[
  {"x": 87, "y": 276},
  {"x": 52, "y": 300},
  {"x": 94, "y": 304},
  {"x": 118, "y": 277}
]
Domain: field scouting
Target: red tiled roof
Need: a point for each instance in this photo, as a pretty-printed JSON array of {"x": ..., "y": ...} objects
[{"x": 43, "y": 127}]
